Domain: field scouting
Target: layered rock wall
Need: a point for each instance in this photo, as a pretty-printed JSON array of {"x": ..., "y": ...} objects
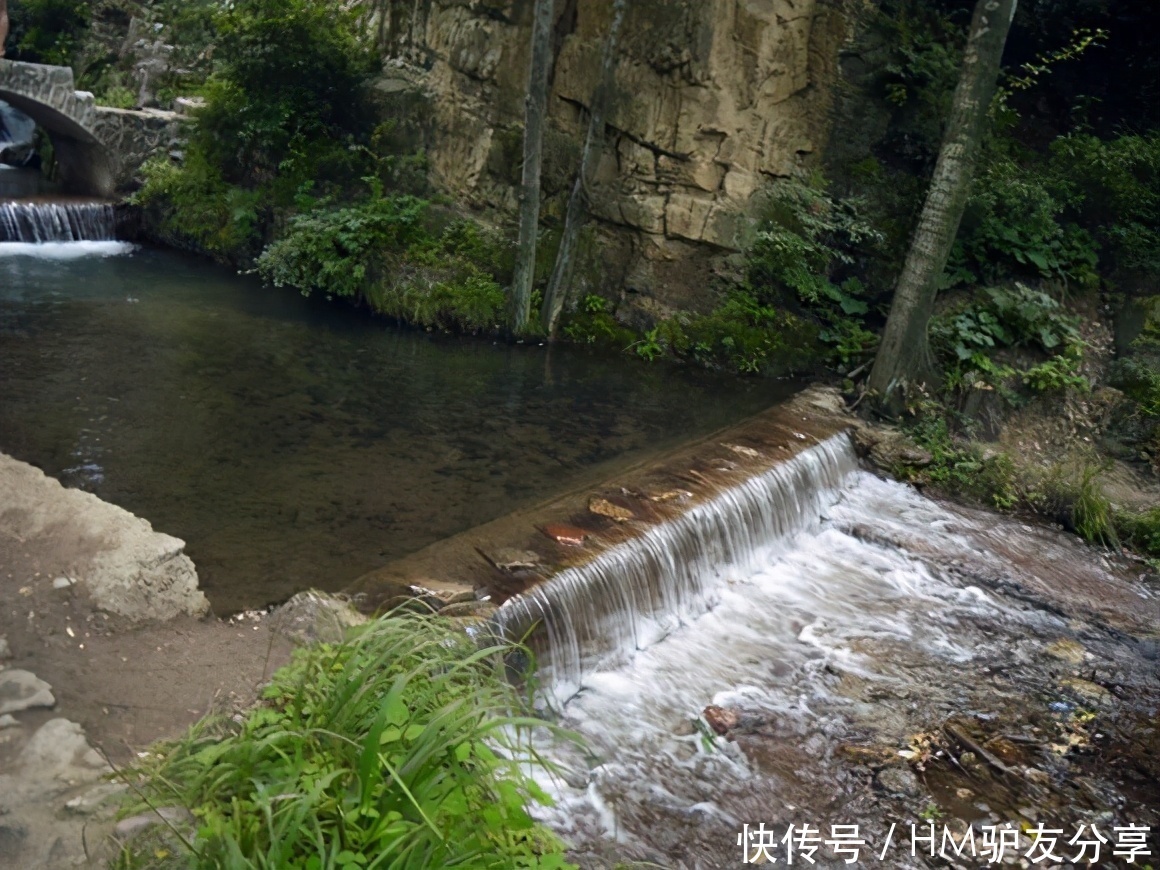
[{"x": 713, "y": 99}]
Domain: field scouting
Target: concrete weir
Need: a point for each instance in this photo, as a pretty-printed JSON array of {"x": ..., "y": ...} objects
[{"x": 512, "y": 558}]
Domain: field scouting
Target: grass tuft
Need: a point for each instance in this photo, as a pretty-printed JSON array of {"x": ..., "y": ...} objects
[{"x": 404, "y": 747}]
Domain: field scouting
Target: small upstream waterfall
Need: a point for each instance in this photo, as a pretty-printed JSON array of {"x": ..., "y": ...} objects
[
  {"x": 40, "y": 222},
  {"x": 629, "y": 597}
]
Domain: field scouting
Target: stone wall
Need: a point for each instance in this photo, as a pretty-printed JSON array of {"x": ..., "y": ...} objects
[{"x": 714, "y": 98}]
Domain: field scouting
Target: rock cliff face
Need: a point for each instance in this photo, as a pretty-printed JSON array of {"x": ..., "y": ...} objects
[{"x": 713, "y": 98}]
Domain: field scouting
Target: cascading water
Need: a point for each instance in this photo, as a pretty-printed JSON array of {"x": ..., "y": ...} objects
[
  {"x": 41, "y": 222},
  {"x": 817, "y": 608},
  {"x": 627, "y": 598}
]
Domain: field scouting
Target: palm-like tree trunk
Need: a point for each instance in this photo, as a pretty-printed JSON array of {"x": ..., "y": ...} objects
[
  {"x": 904, "y": 358},
  {"x": 536, "y": 106}
]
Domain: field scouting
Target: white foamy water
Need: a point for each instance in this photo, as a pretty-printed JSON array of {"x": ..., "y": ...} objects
[
  {"x": 65, "y": 250},
  {"x": 827, "y": 639}
]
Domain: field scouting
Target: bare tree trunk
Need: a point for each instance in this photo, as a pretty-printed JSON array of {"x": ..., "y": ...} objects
[
  {"x": 904, "y": 357},
  {"x": 561, "y": 279},
  {"x": 3, "y": 25},
  {"x": 535, "y": 109}
]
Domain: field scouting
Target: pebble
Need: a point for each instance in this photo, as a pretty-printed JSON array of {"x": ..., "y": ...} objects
[
  {"x": 62, "y": 582},
  {"x": 8, "y": 721}
]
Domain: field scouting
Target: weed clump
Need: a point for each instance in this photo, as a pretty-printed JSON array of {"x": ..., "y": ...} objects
[{"x": 405, "y": 746}]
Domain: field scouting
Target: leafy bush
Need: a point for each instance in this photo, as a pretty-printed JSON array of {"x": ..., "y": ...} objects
[
  {"x": 196, "y": 204},
  {"x": 1113, "y": 189},
  {"x": 958, "y": 468},
  {"x": 740, "y": 335},
  {"x": 998, "y": 317},
  {"x": 341, "y": 252},
  {"x": 1014, "y": 226},
  {"x": 290, "y": 72},
  {"x": 1140, "y": 531},
  {"x": 593, "y": 323},
  {"x": 403, "y": 747},
  {"x": 387, "y": 252},
  {"x": 804, "y": 237}
]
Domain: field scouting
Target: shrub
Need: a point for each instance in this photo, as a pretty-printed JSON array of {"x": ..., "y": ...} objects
[
  {"x": 402, "y": 747},
  {"x": 1114, "y": 190},
  {"x": 958, "y": 468},
  {"x": 1140, "y": 531},
  {"x": 1014, "y": 226},
  {"x": 341, "y": 252},
  {"x": 198, "y": 205},
  {"x": 804, "y": 237},
  {"x": 388, "y": 252}
]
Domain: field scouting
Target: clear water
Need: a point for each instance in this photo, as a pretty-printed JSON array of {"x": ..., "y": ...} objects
[{"x": 293, "y": 443}]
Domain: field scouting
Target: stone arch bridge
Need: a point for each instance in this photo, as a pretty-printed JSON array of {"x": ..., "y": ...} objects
[{"x": 98, "y": 149}]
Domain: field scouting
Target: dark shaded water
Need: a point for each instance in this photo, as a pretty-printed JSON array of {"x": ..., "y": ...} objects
[{"x": 293, "y": 443}]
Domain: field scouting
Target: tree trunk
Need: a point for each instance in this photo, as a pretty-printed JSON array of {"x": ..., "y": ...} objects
[
  {"x": 535, "y": 109},
  {"x": 3, "y": 25},
  {"x": 561, "y": 279},
  {"x": 904, "y": 357}
]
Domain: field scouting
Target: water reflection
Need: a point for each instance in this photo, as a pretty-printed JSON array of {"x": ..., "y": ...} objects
[{"x": 293, "y": 443}]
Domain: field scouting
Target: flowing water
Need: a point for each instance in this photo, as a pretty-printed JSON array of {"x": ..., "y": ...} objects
[
  {"x": 39, "y": 222},
  {"x": 292, "y": 443},
  {"x": 823, "y": 608}
]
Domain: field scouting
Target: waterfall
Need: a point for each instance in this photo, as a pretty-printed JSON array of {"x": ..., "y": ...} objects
[
  {"x": 596, "y": 615},
  {"x": 39, "y": 222}
]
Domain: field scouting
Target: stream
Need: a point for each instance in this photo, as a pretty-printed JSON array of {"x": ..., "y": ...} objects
[{"x": 294, "y": 443}]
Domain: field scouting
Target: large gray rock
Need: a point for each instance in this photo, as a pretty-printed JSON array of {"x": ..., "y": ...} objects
[
  {"x": 23, "y": 690},
  {"x": 56, "y": 805},
  {"x": 123, "y": 566},
  {"x": 315, "y": 617}
]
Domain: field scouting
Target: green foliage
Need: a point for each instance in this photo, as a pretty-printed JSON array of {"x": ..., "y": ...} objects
[
  {"x": 340, "y": 252},
  {"x": 1140, "y": 531},
  {"x": 402, "y": 747},
  {"x": 593, "y": 323},
  {"x": 1140, "y": 381},
  {"x": 741, "y": 335},
  {"x": 197, "y": 204},
  {"x": 1113, "y": 189},
  {"x": 290, "y": 72},
  {"x": 958, "y": 468},
  {"x": 967, "y": 335},
  {"x": 287, "y": 123},
  {"x": 1017, "y": 316},
  {"x": 46, "y": 31},
  {"x": 388, "y": 252},
  {"x": 1073, "y": 498},
  {"x": 1061, "y": 372},
  {"x": 804, "y": 237},
  {"x": 1013, "y": 226}
]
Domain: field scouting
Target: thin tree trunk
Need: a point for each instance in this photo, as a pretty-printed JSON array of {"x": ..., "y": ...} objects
[
  {"x": 561, "y": 279},
  {"x": 535, "y": 109},
  {"x": 904, "y": 357},
  {"x": 3, "y": 25}
]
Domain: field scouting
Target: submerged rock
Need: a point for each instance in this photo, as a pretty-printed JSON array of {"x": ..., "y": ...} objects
[{"x": 604, "y": 508}]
